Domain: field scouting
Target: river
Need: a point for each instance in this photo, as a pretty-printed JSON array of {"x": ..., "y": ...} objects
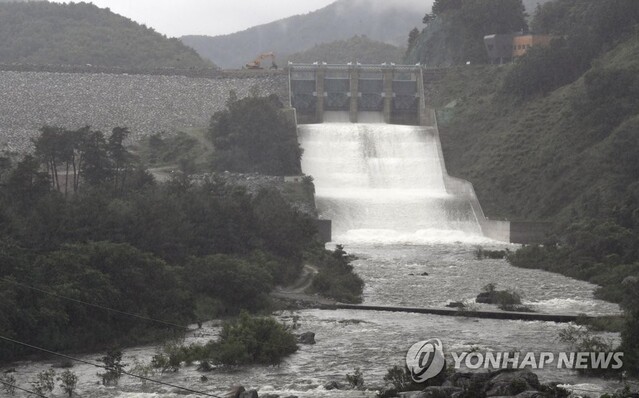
[
  {"x": 384, "y": 188},
  {"x": 375, "y": 341}
]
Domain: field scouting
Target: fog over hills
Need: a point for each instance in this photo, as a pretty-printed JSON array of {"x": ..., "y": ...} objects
[{"x": 387, "y": 22}]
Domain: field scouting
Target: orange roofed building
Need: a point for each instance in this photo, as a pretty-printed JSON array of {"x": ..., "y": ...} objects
[
  {"x": 522, "y": 43},
  {"x": 504, "y": 48}
]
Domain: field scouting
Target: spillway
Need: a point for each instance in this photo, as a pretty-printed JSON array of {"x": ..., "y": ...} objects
[{"x": 382, "y": 183}]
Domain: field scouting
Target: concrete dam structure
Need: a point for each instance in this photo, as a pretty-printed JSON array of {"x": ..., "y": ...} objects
[
  {"x": 395, "y": 92},
  {"x": 373, "y": 149}
]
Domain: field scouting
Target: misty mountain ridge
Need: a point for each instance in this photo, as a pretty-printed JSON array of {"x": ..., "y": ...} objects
[
  {"x": 387, "y": 22},
  {"x": 356, "y": 49},
  {"x": 40, "y": 32}
]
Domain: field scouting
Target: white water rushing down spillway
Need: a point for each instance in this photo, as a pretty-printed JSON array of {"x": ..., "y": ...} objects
[{"x": 382, "y": 183}]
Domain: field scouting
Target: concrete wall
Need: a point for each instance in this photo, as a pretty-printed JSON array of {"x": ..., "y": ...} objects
[
  {"x": 324, "y": 230},
  {"x": 497, "y": 230},
  {"x": 529, "y": 232}
]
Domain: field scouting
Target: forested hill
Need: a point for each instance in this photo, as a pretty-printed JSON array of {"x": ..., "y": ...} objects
[
  {"x": 387, "y": 22},
  {"x": 453, "y": 34},
  {"x": 554, "y": 135},
  {"x": 356, "y": 49},
  {"x": 81, "y": 33}
]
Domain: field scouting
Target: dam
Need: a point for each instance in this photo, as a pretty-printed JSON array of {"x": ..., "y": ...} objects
[{"x": 372, "y": 146}]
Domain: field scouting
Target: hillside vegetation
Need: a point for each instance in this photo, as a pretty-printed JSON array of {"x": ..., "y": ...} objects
[
  {"x": 381, "y": 21},
  {"x": 551, "y": 140},
  {"x": 81, "y": 33},
  {"x": 454, "y": 31},
  {"x": 554, "y": 137},
  {"x": 356, "y": 49}
]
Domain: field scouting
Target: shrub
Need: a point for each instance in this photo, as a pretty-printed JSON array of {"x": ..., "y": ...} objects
[
  {"x": 113, "y": 366},
  {"x": 45, "y": 382},
  {"x": 400, "y": 380},
  {"x": 581, "y": 339},
  {"x": 8, "y": 384},
  {"x": 68, "y": 382},
  {"x": 356, "y": 380},
  {"x": 336, "y": 278},
  {"x": 254, "y": 340}
]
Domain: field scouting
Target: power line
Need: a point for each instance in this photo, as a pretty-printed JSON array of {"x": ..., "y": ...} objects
[
  {"x": 106, "y": 367},
  {"x": 22, "y": 389},
  {"x": 96, "y": 305}
]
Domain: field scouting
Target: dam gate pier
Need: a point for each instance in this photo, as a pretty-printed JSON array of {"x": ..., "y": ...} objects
[{"x": 395, "y": 91}]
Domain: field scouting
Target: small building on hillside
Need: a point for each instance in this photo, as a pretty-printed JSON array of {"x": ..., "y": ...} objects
[
  {"x": 521, "y": 43},
  {"x": 499, "y": 48},
  {"x": 503, "y": 48}
]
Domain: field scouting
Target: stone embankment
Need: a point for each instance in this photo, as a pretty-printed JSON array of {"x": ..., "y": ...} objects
[{"x": 146, "y": 104}]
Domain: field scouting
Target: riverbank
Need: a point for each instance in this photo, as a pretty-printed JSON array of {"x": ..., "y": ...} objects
[{"x": 374, "y": 340}]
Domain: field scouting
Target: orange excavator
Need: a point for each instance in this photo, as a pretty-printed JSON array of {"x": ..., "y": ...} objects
[{"x": 257, "y": 62}]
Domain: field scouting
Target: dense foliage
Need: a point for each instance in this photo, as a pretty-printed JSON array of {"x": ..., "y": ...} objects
[
  {"x": 456, "y": 36},
  {"x": 174, "y": 252},
  {"x": 356, "y": 49},
  {"x": 583, "y": 30},
  {"x": 336, "y": 278},
  {"x": 604, "y": 253},
  {"x": 81, "y": 33},
  {"x": 255, "y": 340},
  {"x": 265, "y": 142},
  {"x": 558, "y": 142},
  {"x": 243, "y": 341}
]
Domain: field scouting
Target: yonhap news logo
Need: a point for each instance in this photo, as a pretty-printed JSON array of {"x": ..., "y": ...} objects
[{"x": 426, "y": 359}]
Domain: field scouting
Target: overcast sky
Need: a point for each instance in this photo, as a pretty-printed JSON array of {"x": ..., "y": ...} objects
[{"x": 177, "y": 18}]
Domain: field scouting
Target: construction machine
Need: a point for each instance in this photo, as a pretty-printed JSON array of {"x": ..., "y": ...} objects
[{"x": 257, "y": 62}]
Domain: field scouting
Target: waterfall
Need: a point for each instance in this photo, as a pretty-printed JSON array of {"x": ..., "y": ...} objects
[{"x": 382, "y": 183}]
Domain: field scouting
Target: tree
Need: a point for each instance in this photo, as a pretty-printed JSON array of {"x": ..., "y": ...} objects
[
  {"x": 68, "y": 382},
  {"x": 119, "y": 156},
  {"x": 27, "y": 183},
  {"x": 428, "y": 18},
  {"x": 255, "y": 340},
  {"x": 49, "y": 149},
  {"x": 45, "y": 382},
  {"x": 462, "y": 25},
  {"x": 412, "y": 38},
  {"x": 95, "y": 167},
  {"x": 442, "y": 6},
  {"x": 113, "y": 366},
  {"x": 253, "y": 135},
  {"x": 238, "y": 284}
]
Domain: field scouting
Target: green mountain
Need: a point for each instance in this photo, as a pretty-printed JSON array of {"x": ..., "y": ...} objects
[
  {"x": 81, "y": 33},
  {"x": 554, "y": 135},
  {"x": 455, "y": 36},
  {"x": 387, "y": 22},
  {"x": 356, "y": 49}
]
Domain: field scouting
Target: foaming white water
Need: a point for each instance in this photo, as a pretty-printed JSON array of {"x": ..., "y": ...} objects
[
  {"x": 421, "y": 237},
  {"x": 381, "y": 183},
  {"x": 563, "y": 305}
]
